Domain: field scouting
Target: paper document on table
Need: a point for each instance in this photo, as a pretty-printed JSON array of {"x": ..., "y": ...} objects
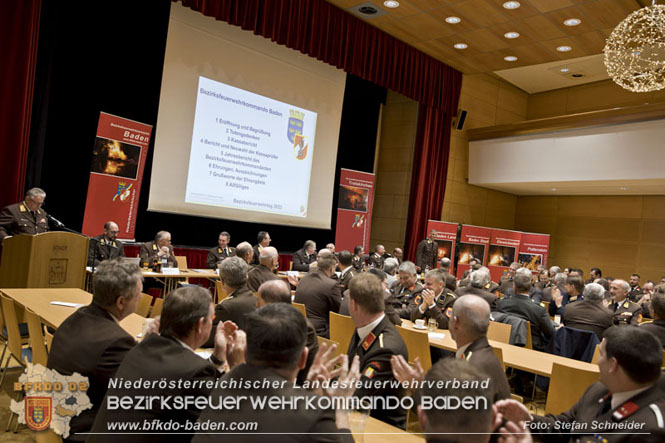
[
  {"x": 170, "y": 271},
  {"x": 436, "y": 335},
  {"x": 204, "y": 354},
  {"x": 66, "y": 303}
]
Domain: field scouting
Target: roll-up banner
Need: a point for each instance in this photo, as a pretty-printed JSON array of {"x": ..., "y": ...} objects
[
  {"x": 503, "y": 249},
  {"x": 118, "y": 161},
  {"x": 473, "y": 244},
  {"x": 446, "y": 237},
  {"x": 354, "y": 210},
  {"x": 534, "y": 250}
]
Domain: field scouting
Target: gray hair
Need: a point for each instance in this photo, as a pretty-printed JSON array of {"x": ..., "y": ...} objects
[
  {"x": 522, "y": 282},
  {"x": 326, "y": 261},
  {"x": 243, "y": 249},
  {"x": 182, "y": 310},
  {"x": 390, "y": 265},
  {"x": 437, "y": 274},
  {"x": 445, "y": 262},
  {"x": 233, "y": 272},
  {"x": 407, "y": 266},
  {"x": 560, "y": 278},
  {"x": 113, "y": 279},
  {"x": 475, "y": 313},
  {"x": 593, "y": 292},
  {"x": 623, "y": 284},
  {"x": 35, "y": 192},
  {"x": 325, "y": 252},
  {"x": 554, "y": 270},
  {"x": 161, "y": 234},
  {"x": 308, "y": 244},
  {"x": 268, "y": 253},
  {"x": 524, "y": 271},
  {"x": 479, "y": 278}
]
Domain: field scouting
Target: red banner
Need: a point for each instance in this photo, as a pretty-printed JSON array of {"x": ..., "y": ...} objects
[
  {"x": 354, "y": 210},
  {"x": 502, "y": 251},
  {"x": 446, "y": 237},
  {"x": 534, "y": 250},
  {"x": 118, "y": 161},
  {"x": 474, "y": 242}
]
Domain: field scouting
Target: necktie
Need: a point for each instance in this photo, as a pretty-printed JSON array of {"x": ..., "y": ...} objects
[{"x": 226, "y": 251}]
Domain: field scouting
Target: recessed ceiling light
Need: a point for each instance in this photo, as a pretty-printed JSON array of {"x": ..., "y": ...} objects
[
  {"x": 572, "y": 22},
  {"x": 460, "y": 46},
  {"x": 453, "y": 20},
  {"x": 390, "y": 4},
  {"x": 564, "y": 48},
  {"x": 511, "y": 5},
  {"x": 511, "y": 34},
  {"x": 510, "y": 58},
  {"x": 564, "y": 69}
]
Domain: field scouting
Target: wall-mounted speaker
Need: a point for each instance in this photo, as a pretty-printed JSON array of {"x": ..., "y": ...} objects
[{"x": 459, "y": 119}]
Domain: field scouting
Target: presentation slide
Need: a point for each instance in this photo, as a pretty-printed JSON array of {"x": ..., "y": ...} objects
[{"x": 249, "y": 151}]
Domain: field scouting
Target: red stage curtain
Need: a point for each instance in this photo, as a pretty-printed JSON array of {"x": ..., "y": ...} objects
[
  {"x": 19, "y": 32},
  {"x": 323, "y": 31}
]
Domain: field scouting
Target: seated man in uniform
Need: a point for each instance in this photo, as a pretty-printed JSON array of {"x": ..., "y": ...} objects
[
  {"x": 245, "y": 251},
  {"x": 217, "y": 254},
  {"x": 26, "y": 217},
  {"x": 263, "y": 241},
  {"x": 657, "y": 308},
  {"x": 435, "y": 301},
  {"x": 405, "y": 289},
  {"x": 155, "y": 251},
  {"x": 478, "y": 281},
  {"x": 358, "y": 258},
  {"x": 265, "y": 270},
  {"x": 589, "y": 314},
  {"x": 625, "y": 311},
  {"x": 628, "y": 397},
  {"x": 305, "y": 256},
  {"x": 377, "y": 258},
  {"x": 346, "y": 269},
  {"x": 320, "y": 294},
  {"x": 105, "y": 246},
  {"x": 239, "y": 299}
]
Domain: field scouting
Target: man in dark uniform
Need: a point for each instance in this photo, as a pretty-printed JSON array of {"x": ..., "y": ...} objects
[
  {"x": 535, "y": 293},
  {"x": 347, "y": 271},
  {"x": 478, "y": 281},
  {"x": 358, "y": 258},
  {"x": 435, "y": 301},
  {"x": 405, "y": 289},
  {"x": 523, "y": 306},
  {"x": 657, "y": 308},
  {"x": 628, "y": 397},
  {"x": 589, "y": 314},
  {"x": 265, "y": 270},
  {"x": 572, "y": 292},
  {"x": 635, "y": 291},
  {"x": 222, "y": 251},
  {"x": 26, "y": 217},
  {"x": 91, "y": 342},
  {"x": 506, "y": 281},
  {"x": 377, "y": 258},
  {"x": 245, "y": 251},
  {"x": 427, "y": 252},
  {"x": 398, "y": 254},
  {"x": 105, "y": 246},
  {"x": 153, "y": 251},
  {"x": 304, "y": 257},
  {"x": 625, "y": 311},
  {"x": 375, "y": 341},
  {"x": 263, "y": 239},
  {"x": 320, "y": 294}
]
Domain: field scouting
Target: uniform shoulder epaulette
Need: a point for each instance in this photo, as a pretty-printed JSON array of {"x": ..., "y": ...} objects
[{"x": 368, "y": 341}]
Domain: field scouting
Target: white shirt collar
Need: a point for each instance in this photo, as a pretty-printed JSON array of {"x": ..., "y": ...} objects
[
  {"x": 365, "y": 330},
  {"x": 185, "y": 345},
  {"x": 345, "y": 270},
  {"x": 461, "y": 350},
  {"x": 622, "y": 397},
  {"x": 115, "y": 319}
]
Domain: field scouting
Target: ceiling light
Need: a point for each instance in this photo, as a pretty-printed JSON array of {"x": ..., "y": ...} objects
[
  {"x": 510, "y": 58},
  {"x": 453, "y": 20},
  {"x": 572, "y": 22},
  {"x": 511, "y": 34},
  {"x": 460, "y": 46},
  {"x": 564, "y": 69},
  {"x": 390, "y": 4},
  {"x": 511, "y": 5},
  {"x": 553, "y": 189},
  {"x": 564, "y": 48}
]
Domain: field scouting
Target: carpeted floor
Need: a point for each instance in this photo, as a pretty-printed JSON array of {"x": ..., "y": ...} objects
[{"x": 24, "y": 434}]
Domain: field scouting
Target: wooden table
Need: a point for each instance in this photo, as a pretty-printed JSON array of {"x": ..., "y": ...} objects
[
  {"x": 170, "y": 281},
  {"x": 516, "y": 357},
  {"x": 39, "y": 300},
  {"x": 377, "y": 431}
]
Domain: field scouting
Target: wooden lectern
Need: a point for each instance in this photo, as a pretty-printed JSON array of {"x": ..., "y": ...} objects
[{"x": 48, "y": 260}]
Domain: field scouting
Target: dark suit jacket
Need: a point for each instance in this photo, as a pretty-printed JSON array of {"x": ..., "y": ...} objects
[
  {"x": 156, "y": 358},
  {"x": 485, "y": 295},
  {"x": 626, "y": 313},
  {"x": 320, "y": 295},
  {"x": 217, "y": 255},
  {"x": 480, "y": 354},
  {"x": 258, "y": 275},
  {"x": 287, "y": 425},
  {"x": 376, "y": 261},
  {"x": 589, "y": 409},
  {"x": 358, "y": 263},
  {"x": 441, "y": 312},
  {"x": 301, "y": 261},
  {"x": 526, "y": 308},
  {"x": 257, "y": 254},
  {"x": 375, "y": 351},
  {"x": 16, "y": 219},
  {"x": 402, "y": 298},
  {"x": 91, "y": 343},
  {"x": 148, "y": 253},
  {"x": 657, "y": 328},
  {"x": 100, "y": 249},
  {"x": 535, "y": 293},
  {"x": 588, "y": 316},
  {"x": 234, "y": 307},
  {"x": 426, "y": 254},
  {"x": 345, "y": 278}
]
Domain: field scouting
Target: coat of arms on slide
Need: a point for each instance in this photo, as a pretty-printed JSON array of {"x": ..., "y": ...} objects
[
  {"x": 294, "y": 134},
  {"x": 38, "y": 412}
]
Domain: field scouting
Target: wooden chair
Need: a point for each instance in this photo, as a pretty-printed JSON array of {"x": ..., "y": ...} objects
[
  {"x": 23, "y": 330},
  {"x": 157, "y": 308},
  {"x": 499, "y": 354},
  {"x": 342, "y": 329},
  {"x": 546, "y": 305},
  {"x": 567, "y": 385},
  {"x": 499, "y": 332},
  {"x": 529, "y": 338},
  {"x": 596, "y": 355},
  {"x": 417, "y": 343},
  {"x": 220, "y": 293},
  {"x": 301, "y": 308},
  {"x": 182, "y": 265},
  {"x": 14, "y": 345},
  {"x": 143, "y": 307},
  {"x": 330, "y": 343},
  {"x": 37, "y": 341},
  {"x": 49, "y": 338}
]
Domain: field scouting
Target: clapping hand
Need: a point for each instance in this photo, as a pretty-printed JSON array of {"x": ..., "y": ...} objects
[
  {"x": 404, "y": 372},
  {"x": 322, "y": 367}
]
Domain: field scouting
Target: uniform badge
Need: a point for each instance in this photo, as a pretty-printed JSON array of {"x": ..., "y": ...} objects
[
  {"x": 626, "y": 304},
  {"x": 449, "y": 312},
  {"x": 368, "y": 341},
  {"x": 154, "y": 247},
  {"x": 22, "y": 208},
  {"x": 369, "y": 372},
  {"x": 38, "y": 412},
  {"x": 625, "y": 410},
  {"x": 418, "y": 299}
]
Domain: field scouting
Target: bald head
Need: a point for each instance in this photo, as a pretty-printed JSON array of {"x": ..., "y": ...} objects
[
  {"x": 269, "y": 257},
  {"x": 274, "y": 291},
  {"x": 244, "y": 250},
  {"x": 472, "y": 314}
]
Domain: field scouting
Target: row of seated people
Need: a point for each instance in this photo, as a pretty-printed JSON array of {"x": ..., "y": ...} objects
[{"x": 260, "y": 338}]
